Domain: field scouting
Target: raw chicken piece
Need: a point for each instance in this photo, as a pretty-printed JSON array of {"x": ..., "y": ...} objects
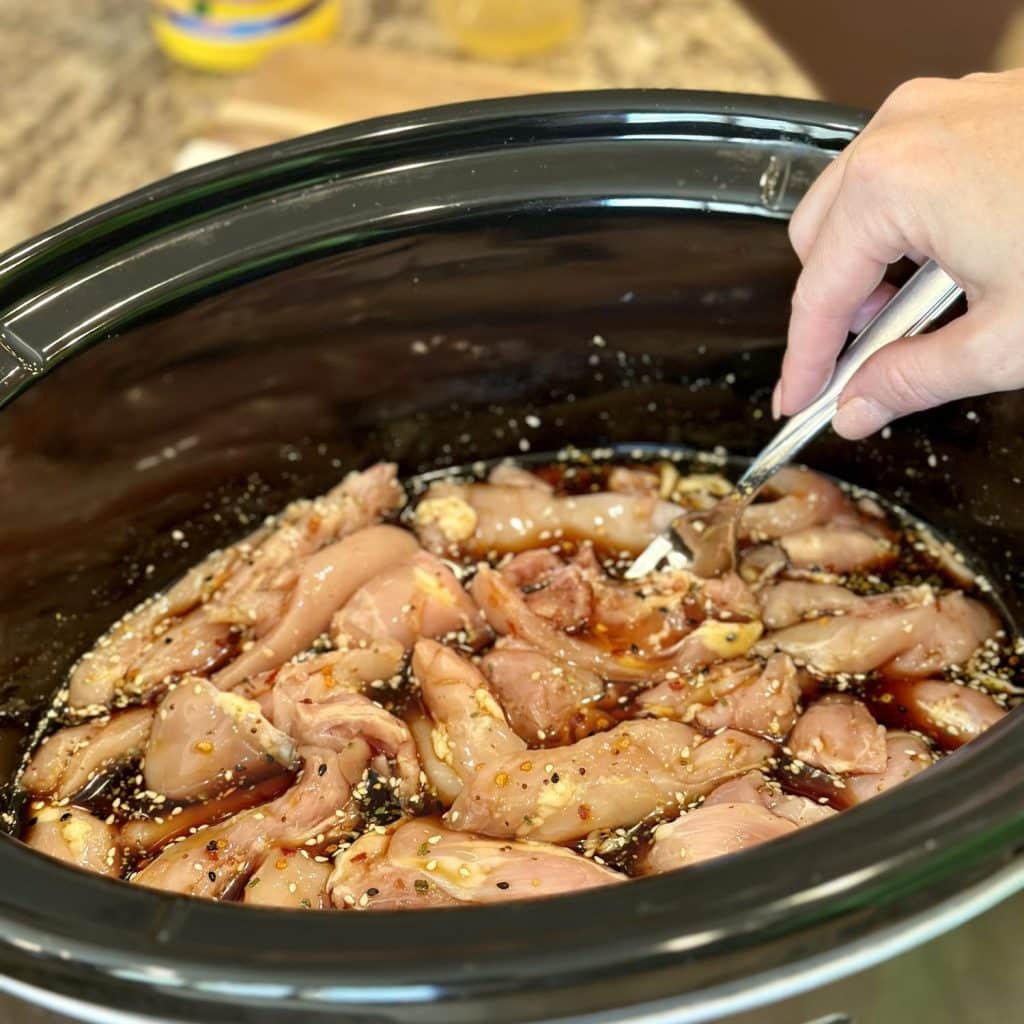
[
  {"x": 564, "y": 598},
  {"x": 949, "y": 713},
  {"x": 330, "y": 722},
  {"x": 475, "y": 519},
  {"x": 838, "y": 735},
  {"x": 558, "y": 592},
  {"x": 905, "y": 756},
  {"x": 67, "y": 761},
  {"x": 205, "y": 740},
  {"x": 655, "y": 614},
  {"x": 530, "y": 569},
  {"x": 786, "y": 603},
  {"x": 634, "y": 481},
  {"x": 149, "y": 835},
  {"x": 421, "y": 863},
  {"x": 727, "y": 597},
  {"x": 738, "y": 694},
  {"x": 957, "y": 627},
  {"x": 325, "y": 581},
  {"x": 469, "y": 725},
  {"x": 73, "y": 835},
  {"x": 800, "y": 810},
  {"x": 910, "y": 631},
  {"x": 837, "y": 548},
  {"x": 216, "y": 861},
  {"x": 508, "y": 474},
  {"x": 755, "y": 788},
  {"x": 167, "y": 636},
  {"x": 710, "y": 831},
  {"x": 761, "y": 563},
  {"x": 201, "y": 623},
  {"x": 608, "y": 780},
  {"x": 420, "y": 597},
  {"x": 290, "y": 879},
  {"x": 802, "y": 499},
  {"x": 348, "y": 669},
  {"x": 443, "y": 781},
  {"x": 508, "y": 614},
  {"x": 539, "y": 694}
]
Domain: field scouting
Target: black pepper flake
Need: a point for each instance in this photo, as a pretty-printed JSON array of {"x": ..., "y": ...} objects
[
  {"x": 322, "y": 770},
  {"x": 305, "y": 903},
  {"x": 372, "y": 891},
  {"x": 421, "y": 885},
  {"x": 503, "y": 885},
  {"x": 31, "y": 822},
  {"x": 168, "y": 639},
  {"x": 554, "y": 776},
  {"x": 212, "y": 845},
  {"x": 66, "y": 816},
  {"x": 211, "y": 875},
  {"x": 583, "y": 771}
]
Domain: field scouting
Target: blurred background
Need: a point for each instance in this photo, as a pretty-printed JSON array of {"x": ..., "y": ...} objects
[{"x": 98, "y": 97}]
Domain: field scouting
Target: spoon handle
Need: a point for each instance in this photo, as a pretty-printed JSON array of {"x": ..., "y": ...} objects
[{"x": 925, "y": 297}]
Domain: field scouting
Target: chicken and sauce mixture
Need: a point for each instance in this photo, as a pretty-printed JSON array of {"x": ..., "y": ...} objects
[{"x": 383, "y": 700}]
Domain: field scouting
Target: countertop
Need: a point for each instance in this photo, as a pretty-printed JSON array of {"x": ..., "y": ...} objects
[{"x": 90, "y": 109}]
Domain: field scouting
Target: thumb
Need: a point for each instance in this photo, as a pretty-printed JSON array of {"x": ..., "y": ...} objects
[{"x": 961, "y": 359}]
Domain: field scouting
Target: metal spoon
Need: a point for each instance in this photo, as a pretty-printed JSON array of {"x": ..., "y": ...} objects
[{"x": 706, "y": 541}]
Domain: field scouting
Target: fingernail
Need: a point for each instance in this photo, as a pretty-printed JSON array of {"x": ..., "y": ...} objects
[
  {"x": 777, "y": 401},
  {"x": 858, "y": 417}
]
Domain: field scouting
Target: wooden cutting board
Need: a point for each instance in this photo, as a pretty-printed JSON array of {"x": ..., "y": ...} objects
[{"x": 311, "y": 87}]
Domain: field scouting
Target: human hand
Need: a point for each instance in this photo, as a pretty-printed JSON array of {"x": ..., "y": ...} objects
[{"x": 938, "y": 172}]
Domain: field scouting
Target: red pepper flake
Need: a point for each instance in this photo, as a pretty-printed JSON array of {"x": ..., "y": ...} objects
[{"x": 584, "y": 812}]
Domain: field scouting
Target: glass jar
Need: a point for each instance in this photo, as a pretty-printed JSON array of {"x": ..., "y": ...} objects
[{"x": 508, "y": 29}]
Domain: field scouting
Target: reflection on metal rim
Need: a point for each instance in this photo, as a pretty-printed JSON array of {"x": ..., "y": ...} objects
[{"x": 821, "y": 971}]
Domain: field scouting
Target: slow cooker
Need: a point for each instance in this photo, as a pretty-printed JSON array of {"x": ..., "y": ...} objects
[{"x": 429, "y": 288}]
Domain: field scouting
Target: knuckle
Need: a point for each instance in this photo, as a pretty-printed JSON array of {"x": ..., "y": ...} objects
[
  {"x": 910, "y": 388},
  {"x": 912, "y": 95},
  {"x": 797, "y": 231},
  {"x": 803, "y": 299},
  {"x": 871, "y": 164}
]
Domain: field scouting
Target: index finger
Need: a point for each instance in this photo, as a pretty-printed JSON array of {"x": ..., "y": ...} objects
[{"x": 855, "y": 244}]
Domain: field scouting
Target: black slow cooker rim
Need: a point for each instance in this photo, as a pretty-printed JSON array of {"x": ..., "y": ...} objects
[{"x": 809, "y": 893}]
